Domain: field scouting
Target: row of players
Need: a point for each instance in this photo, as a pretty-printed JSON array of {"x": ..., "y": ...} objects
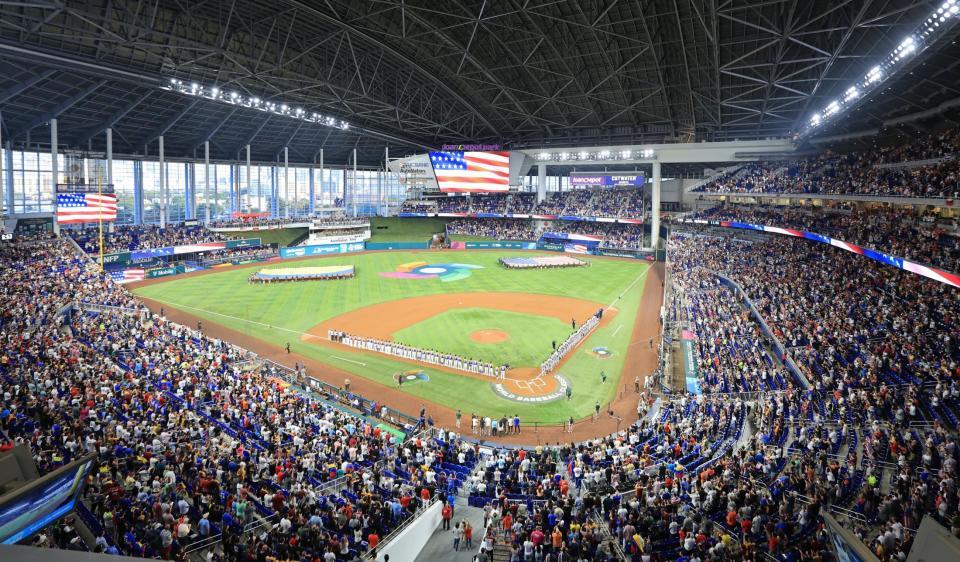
[{"x": 432, "y": 357}]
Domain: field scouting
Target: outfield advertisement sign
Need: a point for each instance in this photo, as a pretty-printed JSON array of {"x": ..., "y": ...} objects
[
  {"x": 691, "y": 373},
  {"x": 123, "y": 258},
  {"x": 498, "y": 245},
  {"x": 617, "y": 253},
  {"x": 319, "y": 250},
  {"x": 165, "y": 271},
  {"x": 120, "y": 258},
  {"x": 398, "y": 245},
  {"x": 244, "y": 243}
]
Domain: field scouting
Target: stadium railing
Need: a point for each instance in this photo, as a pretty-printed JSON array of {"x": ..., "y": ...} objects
[
  {"x": 328, "y": 391},
  {"x": 778, "y": 348},
  {"x": 370, "y": 555}
]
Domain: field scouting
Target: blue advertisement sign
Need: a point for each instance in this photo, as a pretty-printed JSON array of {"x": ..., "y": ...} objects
[
  {"x": 151, "y": 253},
  {"x": 608, "y": 180},
  {"x": 320, "y": 249},
  {"x": 498, "y": 245}
]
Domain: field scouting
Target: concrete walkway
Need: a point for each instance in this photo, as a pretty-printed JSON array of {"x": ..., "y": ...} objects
[{"x": 440, "y": 545}]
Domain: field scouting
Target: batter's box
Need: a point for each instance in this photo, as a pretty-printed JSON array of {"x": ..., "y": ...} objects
[{"x": 531, "y": 385}]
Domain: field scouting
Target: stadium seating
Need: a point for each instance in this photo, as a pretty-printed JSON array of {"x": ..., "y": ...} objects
[{"x": 924, "y": 168}]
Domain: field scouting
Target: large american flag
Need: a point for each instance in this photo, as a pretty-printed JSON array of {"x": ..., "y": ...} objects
[
  {"x": 128, "y": 275},
  {"x": 459, "y": 171},
  {"x": 73, "y": 208}
]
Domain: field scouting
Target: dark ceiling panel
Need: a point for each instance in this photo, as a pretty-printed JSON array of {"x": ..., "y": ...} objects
[{"x": 421, "y": 73}]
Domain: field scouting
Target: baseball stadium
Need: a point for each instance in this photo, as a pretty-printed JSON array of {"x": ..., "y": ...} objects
[{"x": 408, "y": 281}]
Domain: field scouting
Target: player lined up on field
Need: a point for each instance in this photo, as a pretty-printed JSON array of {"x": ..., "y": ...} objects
[
  {"x": 432, "y": 357},
  {"x": 571, "y": 342}
]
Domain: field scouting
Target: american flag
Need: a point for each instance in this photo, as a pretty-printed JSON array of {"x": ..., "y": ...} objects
[
  {"x": 73, "y": 208},
  {"x": 459, "y": 171},
  {"x": 128, "y": 275}
]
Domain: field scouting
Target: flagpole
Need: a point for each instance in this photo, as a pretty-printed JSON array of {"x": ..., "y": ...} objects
[{"x": 100, "y": 219}]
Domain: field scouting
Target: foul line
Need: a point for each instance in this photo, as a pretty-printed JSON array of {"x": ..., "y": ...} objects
[
  {"x": 639, "y": 277},
  {"x": 348, "y": 360},
  {"x": 614, "y": 334},
  {"x": 270, "y": 326}
]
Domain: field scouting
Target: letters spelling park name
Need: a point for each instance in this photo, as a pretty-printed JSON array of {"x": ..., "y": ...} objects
[{"x": 471, "y": 147}]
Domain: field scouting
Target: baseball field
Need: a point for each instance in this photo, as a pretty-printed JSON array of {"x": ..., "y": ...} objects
[{"x": 458, "y": 302}]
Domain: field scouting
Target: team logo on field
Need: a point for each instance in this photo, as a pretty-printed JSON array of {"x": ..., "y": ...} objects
[
  {"x": 445, "y": 272},
  {"x": 601, "y": 352},
  {"x": 412, "y": 376}
]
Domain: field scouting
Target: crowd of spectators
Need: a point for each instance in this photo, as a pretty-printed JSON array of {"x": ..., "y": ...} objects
[
  {"x": 195, "y": 438},
  {"x": 143, "y": 237},
  {"x": 455, "y": 204},
  {"x": 875, "y": 434},
  {"x": 418, "y": 206},
  {"x": 192, "y": 438},
  {"x": 898, "y": 231},
  {"x": 336, "y": 219},
  {"x": 497, "y": 229},
  {"x": 868, "y": 172},
  {"x": 601, "y": 203}
]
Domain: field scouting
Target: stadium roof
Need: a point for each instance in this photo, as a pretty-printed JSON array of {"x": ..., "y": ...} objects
[{"x": 418, "y": 73}]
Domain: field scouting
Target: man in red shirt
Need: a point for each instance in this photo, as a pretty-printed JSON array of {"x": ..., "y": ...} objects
[
  {"x": 536, "y": 537},
  {"x": 446, "y": 513}
]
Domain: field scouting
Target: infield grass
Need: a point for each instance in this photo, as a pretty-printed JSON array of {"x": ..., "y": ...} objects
[
  {"x": 282, "y": 312},
  {"x": 530, "y": 336}
]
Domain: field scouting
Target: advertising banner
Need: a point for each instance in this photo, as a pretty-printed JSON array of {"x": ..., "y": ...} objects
[
  {"x": 497, "y": 245},
  {"x": 151, "y": 253},
  {"x": 398, "y": 245},
  {"x": 588, "y": 238},
  {"x": 549, "y": 246},
  {"x": 319, "y": 250},
  {"x": 691, "y": 372},
  {"x": 633, "y": 179},
  {"x": 619, "y": 253},
  {"x": 201, "y": 247},
  {"x": 244, "y": 243},
  {"x": 318, "y": 239},
  {"x": 119, "y": 258},
  {"x": 165, "y": 271}
]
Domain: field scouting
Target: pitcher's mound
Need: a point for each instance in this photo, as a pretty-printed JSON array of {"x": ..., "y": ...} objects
[{"x": 489, "y": 336}]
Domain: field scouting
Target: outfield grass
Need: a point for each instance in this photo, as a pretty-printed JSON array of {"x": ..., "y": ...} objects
[
  {"x": 392, "y": 229},
  {"x": 530, "y": 340},
  {"x": 282, "y": 312},
  {"x": 282, "y": 236}
]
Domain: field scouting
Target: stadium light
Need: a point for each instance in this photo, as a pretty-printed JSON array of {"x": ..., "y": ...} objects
[
  {"x": 925, "y": 34},
  {"x": 604, "y": 154},
  {"x": 234, "y": 98}
]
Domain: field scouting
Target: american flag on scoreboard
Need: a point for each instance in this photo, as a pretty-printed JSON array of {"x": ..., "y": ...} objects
[
  {"x": 459, "y": 171},
  {"x": 73, "y": 208},
  {"x": 128, "y": 275}
]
